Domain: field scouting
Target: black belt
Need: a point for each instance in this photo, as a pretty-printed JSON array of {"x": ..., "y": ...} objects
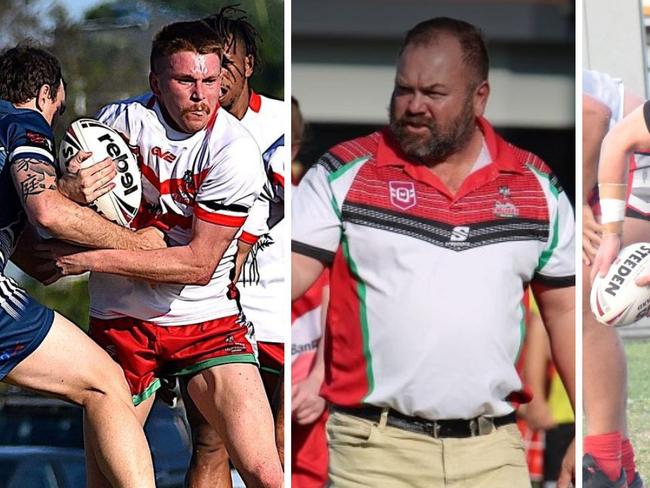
[{"x": 435, "y": 428}]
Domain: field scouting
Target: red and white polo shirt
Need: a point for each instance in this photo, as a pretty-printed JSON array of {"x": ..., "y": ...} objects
[
  {"x": 213, "y": 175},
  {"x": 426, "y": 287}
]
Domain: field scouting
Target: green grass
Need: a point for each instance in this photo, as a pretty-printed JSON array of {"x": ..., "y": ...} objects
[
  {"x": 69, "y": 296},
  {"x": 638, "y": 354}
]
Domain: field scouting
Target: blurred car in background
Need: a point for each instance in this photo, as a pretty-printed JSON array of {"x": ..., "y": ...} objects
[
  {"x": 41, "y": 467},
  {"x": 57, "y": 428}
]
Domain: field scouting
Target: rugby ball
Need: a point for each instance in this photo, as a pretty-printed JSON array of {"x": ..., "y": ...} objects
[
  {"x": 120, "y": 204},
  {"x": 616, "y": 300}
]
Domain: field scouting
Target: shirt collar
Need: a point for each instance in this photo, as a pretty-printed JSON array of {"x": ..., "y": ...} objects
[
  {"x": 255, "y": 102},
  {"x": 501, "y": 153}
]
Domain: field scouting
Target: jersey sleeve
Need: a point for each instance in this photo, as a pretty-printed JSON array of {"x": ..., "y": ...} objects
[
  {"x": 556, "y": 264},
  {"x": 256, "y": 223},
  {"x": 232, "y": 184},
  {"x": 268, "y": 209},
  {"x": 274, "y": 160},
  {"x": 31, "y": 138},
  {"x": 316, "y": 226}
]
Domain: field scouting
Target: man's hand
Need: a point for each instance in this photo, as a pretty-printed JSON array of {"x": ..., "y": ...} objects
[
  {"x": 591, "y": 232},
  {"x": 151, "y": 238},
  {"x": 73, "y": 264},
  {"x": 567, "y": 471},
  {"x": 306, "y": 404},
  {"x": 610, "y": 245},
  {"x": 86, "y": 185}
]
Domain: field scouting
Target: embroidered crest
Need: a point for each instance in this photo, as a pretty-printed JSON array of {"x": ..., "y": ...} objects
[
  {"x": 402, "y": 194},
  {"x": 505, "y": 207}
]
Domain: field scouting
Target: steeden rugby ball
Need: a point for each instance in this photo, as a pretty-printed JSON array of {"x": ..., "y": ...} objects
[{"x": 616, "y": 300}]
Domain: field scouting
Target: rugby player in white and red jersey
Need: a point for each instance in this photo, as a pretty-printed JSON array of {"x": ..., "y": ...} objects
[
  {"x": 260, "y": 261},
  {"x": 168, "y": 313}
]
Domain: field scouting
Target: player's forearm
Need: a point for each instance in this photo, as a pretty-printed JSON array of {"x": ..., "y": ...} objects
[
  {"x": 180, "y": 265},
  {"x": 562, "y": 339},
  {"x": 614, "y": 156},
  {"x": 65, "y": 220},
  {"x": 243, "y": 250},
  {"x": 537, "y": 355},
  {"x": 317, "y": 371}
]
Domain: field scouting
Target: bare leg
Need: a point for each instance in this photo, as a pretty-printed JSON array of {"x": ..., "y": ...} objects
[
  {"x": 232, "y": 399},
  {"x": 94, "y": 474},
  {"x": 278, "y": 409},
  {"x": 604, "y": 360},
  {"x": 70, "y": 365},
  {"x": 209, "y": 466},
  {"x": 604, "y": 371}
]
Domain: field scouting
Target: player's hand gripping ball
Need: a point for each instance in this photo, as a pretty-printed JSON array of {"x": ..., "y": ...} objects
[
  {"x": 616, "y": 299},
  {"x": 120, "y": 204}
]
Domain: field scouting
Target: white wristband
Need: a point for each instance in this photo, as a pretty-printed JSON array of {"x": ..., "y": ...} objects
[{"x": 612, "y": 210}]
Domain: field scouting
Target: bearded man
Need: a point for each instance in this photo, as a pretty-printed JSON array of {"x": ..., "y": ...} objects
[{"x": 432, "y": 228}]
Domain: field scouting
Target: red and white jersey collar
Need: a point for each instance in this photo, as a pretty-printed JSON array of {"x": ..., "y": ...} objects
[{"x": 255, "y": 102}]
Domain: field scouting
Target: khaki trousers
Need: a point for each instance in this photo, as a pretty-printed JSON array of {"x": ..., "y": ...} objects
[{"x": 364, "y": 454}]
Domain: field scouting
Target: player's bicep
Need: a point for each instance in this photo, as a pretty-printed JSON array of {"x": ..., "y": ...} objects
[
  {"x": 633, "y": 132},
  {"x": 35, "y": 182}
]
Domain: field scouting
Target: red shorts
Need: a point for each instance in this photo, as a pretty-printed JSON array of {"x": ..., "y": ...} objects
[
  {"x": 147, "y": 351},
  {"x": 271, "y": 356},
  {"x": 309, "y": 454}
]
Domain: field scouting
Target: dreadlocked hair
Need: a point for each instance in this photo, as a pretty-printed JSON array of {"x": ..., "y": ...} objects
[{"x": 231, "y": 24}]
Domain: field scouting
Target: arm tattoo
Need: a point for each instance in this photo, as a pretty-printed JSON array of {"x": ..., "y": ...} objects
[{"x": 34, "y": 177}]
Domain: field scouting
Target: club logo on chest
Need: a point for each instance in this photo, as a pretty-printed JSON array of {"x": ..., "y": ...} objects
[
  {"x": 505, "y": 207},
  {"x": 402, "y": 194}
]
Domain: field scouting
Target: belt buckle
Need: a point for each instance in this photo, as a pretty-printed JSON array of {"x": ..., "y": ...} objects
[
  {"x": 474, "y": 428},
  {"x": 485, "y": 425},
  {"x": 435, "y": 429}
]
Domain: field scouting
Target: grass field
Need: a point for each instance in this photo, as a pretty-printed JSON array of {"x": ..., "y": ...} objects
[{"x": 638, "y": 353}]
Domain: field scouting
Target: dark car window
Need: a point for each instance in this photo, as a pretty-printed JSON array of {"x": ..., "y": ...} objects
[
  {"x": 7, "y": 469},
  {"x": 74, "y": 472},
  {"x": 34, "y": 476},
  {"x": 27, "y": 429}
]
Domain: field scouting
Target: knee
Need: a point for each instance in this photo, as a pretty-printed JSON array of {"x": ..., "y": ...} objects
[{"x": 107, "y": 383}]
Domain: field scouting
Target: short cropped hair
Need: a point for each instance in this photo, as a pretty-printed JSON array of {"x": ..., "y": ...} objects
[
  {"x": 231, "y": 23},
  {"x": 194, "y": 36},
  {"x": 24, "y": 69},
  {"x": 475, "y": 53}
]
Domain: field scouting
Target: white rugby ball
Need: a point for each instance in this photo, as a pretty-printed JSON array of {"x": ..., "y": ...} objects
[
  {"x": 120, "y": 204},
  {"x": 616, "y": 299}
]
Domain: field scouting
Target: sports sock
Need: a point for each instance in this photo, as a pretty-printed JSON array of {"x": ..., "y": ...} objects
[
  {"x": 627, "y": 459},
  {"x": 606, "y": 450}
]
